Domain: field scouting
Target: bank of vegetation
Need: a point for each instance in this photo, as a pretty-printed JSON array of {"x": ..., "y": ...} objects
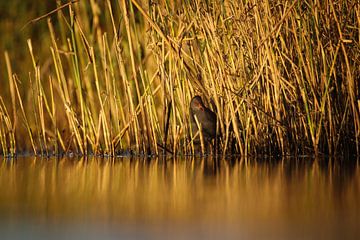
[{"x": 108, "y": 77}]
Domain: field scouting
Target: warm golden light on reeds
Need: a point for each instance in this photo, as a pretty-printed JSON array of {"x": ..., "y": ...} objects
[{"x": 118, "y": 76}]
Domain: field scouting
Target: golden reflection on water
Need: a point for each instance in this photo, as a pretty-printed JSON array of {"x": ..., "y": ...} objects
[{"x": 284, "y": 193}]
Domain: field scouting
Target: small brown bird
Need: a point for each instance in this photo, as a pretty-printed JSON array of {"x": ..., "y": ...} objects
[{"x": 205, "y": 117}]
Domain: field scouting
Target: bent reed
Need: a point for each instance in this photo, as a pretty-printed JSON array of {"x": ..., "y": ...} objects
[{"x": 118, "y": 76}]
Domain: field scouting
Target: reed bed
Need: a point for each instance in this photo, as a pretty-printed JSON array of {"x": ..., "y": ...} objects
[{"x": 116, "y": 77}]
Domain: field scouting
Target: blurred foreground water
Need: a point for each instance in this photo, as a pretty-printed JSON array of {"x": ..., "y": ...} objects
[{"x": 191, "y": 198}]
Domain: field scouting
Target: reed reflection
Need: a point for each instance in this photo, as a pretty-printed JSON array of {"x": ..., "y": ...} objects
[{"x": 284, "y": 192}]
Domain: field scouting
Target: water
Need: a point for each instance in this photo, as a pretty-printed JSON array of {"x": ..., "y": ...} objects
[{"x": 179, "y": 199}]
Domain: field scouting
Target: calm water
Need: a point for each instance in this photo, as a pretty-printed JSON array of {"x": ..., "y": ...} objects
[{"x": 179, "y": 199}]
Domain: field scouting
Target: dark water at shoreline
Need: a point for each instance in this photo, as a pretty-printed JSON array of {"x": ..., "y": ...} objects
[{"x": 179, "y": 199}]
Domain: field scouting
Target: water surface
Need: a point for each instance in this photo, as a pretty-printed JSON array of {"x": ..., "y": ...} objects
[{"x": 192, "y": 198}]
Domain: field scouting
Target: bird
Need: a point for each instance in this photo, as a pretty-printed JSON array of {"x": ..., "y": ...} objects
[{"x": 206, "y": 118}]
